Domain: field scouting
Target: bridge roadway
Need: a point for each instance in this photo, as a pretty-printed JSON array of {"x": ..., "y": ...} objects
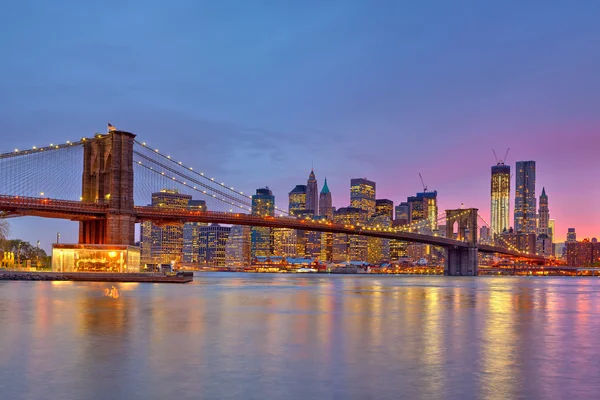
[{"x": 13, "y": 206}]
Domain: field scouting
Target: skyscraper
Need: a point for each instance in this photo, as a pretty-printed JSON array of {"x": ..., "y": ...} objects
[
  {"x": 500, "y": 192},
  {"x": 423, "y": 206},
  {"x": 191, "y": 234},
  {"x": 237, "y": 249},
  {"x": 571, "y": 235},
  {"x": 325, "y": 202},
  {"x": 213, "y": 240},
  {"x": 263, "y": 204},
  {"x": 312, "y": 193},
  {"x": 385, "y": 207},
  {"x": 362, "y": 195},
  {"x": 297, "y": 199},
  {"x": 164, "y": 244},
  {"x": 544, "y": 214},
  {"x": 525, "y": 201},
  {"x": 350, "y": 247}
]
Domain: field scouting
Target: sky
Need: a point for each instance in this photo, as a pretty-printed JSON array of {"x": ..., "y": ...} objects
[{"x": 255, "y": 92}]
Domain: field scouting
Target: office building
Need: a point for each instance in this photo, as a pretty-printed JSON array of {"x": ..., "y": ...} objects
[
  {"x": 191, "y": 234},
  {"x": 350, "y": 247},
  {"x": 362, "y": 195},
  {"x": 544, "y": 239},
  {"x": 213, "y": 241},
  {"x": 285, "y": 242},
  {"x": 297, "y": 199},
  {"x": 237, "y": 249},
  {"x": 403, "y": 213},
  {"x": 312, "y": 194},
  {"x": 325, "y": 202},
  {"x": 385, "y": 207},
  {"x": 525, "y": 200},
  {"x": 500, "y": 194},
  {"x": 378, "y": 250},
  {"x": 423, "y": 207},
  {"x": 164, "y": 244},
  {"x": 571, "y": 235},
  {"x": 263, "y": 204}
]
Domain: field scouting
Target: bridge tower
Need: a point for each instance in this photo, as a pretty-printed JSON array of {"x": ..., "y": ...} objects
[
  {"x": 108, "y": 178},
  {"x": 462, "y": 260}
]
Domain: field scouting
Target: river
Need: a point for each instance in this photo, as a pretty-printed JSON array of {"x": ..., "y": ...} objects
[{"x": 284, "y": 336}]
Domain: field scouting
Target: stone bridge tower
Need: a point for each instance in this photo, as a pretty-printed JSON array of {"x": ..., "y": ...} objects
[
  {"x": 462, "y": 260},
  {"x": 108, "y": 178}
]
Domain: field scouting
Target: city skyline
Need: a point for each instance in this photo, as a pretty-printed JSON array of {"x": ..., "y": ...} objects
[{"x": 223, "y": 106}]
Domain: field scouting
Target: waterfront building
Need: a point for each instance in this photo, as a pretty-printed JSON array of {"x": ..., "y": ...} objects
[
  {"x": 378, "y": 250},
  {"x": 164, "y": 244},
  {"x": 285, "y": 242},
  {"x": 237, "y": 249},
  {"x": 191, "y": 234},
  {"x": 213, "y": 241},
  {"x": 349, "y": 247},
  {"x": 485, "y": 235},
  {"x": 500, "y": 196},
  {"x": 525, "y": 200},
  {"x": 560, "y": 250},
  {"x": 385, "y": 207},
  {"x": 297, "y": 199},
  {"x": 398, "y": 248},
  {"x": 312, "y": 193},
  {"x": 263, "y": 204},
  {"x": 583, "y": 254},
  {"x": 325, "y": 202},
  {"x": 362, "y": 195},
  {"x": 520, "y": 240}
]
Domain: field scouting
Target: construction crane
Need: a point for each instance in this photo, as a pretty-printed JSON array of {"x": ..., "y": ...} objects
[
  {"x": 423, "y": 183},
  {"x": 502, "y": 161}
]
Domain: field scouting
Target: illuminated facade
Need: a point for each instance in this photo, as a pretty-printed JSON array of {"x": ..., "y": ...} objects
[
  {"x": 362, "y": 195},
  {"x": 312, "y": 194},
  {"x": 237, "y": 249},
  {"x": 525, "y": 201},
  {"x": 583, "y": 254},
  {"x": 500, "y": 194},
  {"x": 285, "y": 242},
  {"x": 423, "y": 206},
  {"x": 385, "y": 207},
  {"x": 326, "y": 202},
  {"x": 402, "y": 214},
  {"x": 191, "y": 234},
  {"x": 164, "y": 244},
  {"x": 297, "y": 200},
  {"x": 520, "y": 240},
  {"x": 95, "y": 258},
  {"x": 378, "y": 250},
  {"x": 349, "y": 247},
  {"x": 263, "y": 204},
  {"x": 544, "y": 245},
  {"x": 571, "y": 235},
  {"x": 213, "y": 239}
]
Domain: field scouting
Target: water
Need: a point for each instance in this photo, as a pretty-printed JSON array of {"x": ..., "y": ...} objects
[{"x": 238, "y": 336}]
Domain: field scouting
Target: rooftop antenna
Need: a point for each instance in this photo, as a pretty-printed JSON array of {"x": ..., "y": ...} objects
[{"x": 423, "y": 183}]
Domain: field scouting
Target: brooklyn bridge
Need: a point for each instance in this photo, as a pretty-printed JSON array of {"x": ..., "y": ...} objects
[{"x": 104, "y": 181}]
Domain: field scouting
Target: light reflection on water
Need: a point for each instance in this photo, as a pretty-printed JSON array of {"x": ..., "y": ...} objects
[{"x": 231, "y": 336}]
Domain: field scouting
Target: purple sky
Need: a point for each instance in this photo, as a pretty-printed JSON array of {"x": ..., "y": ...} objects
[{"x": 254, "y": 92}]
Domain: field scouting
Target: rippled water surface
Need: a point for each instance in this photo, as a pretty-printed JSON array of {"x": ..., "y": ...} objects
[{"x": 237, "y": 336}]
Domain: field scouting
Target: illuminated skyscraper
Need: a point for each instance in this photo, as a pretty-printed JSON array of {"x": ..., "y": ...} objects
[
  {"x": 571, "y": 235},
  {"x": 297, "y": 199},
  {"x": 191, "y": 234},
  {"x": 525, "y": 201},
  {"x": 349, "y": 247},
  {"x": 544, "y": 214},
  {"x": 423, "y": 206},
  {"x": 362, "y": 195},
  {"x": 402, "y": 214},
  {"x": 237, "y": 249},
  {"x": 164, "y": 243},
  {"x": 312, "y": 193},
  {"x": 325, "y": 202},
  {"x": 552, "y": 228},
  {"x": 500, "y": 207},
  {"x": 263, "y": 204},
  {"x": 213, "y": 240},
  {"x": 385, "y": 207}
]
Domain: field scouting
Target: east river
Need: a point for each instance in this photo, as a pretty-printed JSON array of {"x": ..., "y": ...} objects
[{"x": 280, "y": 336}]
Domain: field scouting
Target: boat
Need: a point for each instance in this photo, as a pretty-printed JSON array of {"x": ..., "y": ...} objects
[{"x": 305, "y": 270}]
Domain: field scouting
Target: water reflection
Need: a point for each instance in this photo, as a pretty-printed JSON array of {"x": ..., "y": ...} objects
[{"x": 274, "y": 336}]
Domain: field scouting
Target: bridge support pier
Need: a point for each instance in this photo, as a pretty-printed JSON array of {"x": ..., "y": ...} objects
[{"x": 461, "y": 261}]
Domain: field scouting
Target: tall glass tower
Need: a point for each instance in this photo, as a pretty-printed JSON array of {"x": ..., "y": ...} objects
[
  {"x": 263, "y": 204},
  {"x": 525, "y": 201},
  {"x": 500, "y": 207}
]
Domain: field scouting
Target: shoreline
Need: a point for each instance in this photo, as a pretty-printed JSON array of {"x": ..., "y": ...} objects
[{"x": 183, "y": 277}]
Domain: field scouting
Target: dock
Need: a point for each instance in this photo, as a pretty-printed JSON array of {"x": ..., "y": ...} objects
[{"x": 180, "y": 277}]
